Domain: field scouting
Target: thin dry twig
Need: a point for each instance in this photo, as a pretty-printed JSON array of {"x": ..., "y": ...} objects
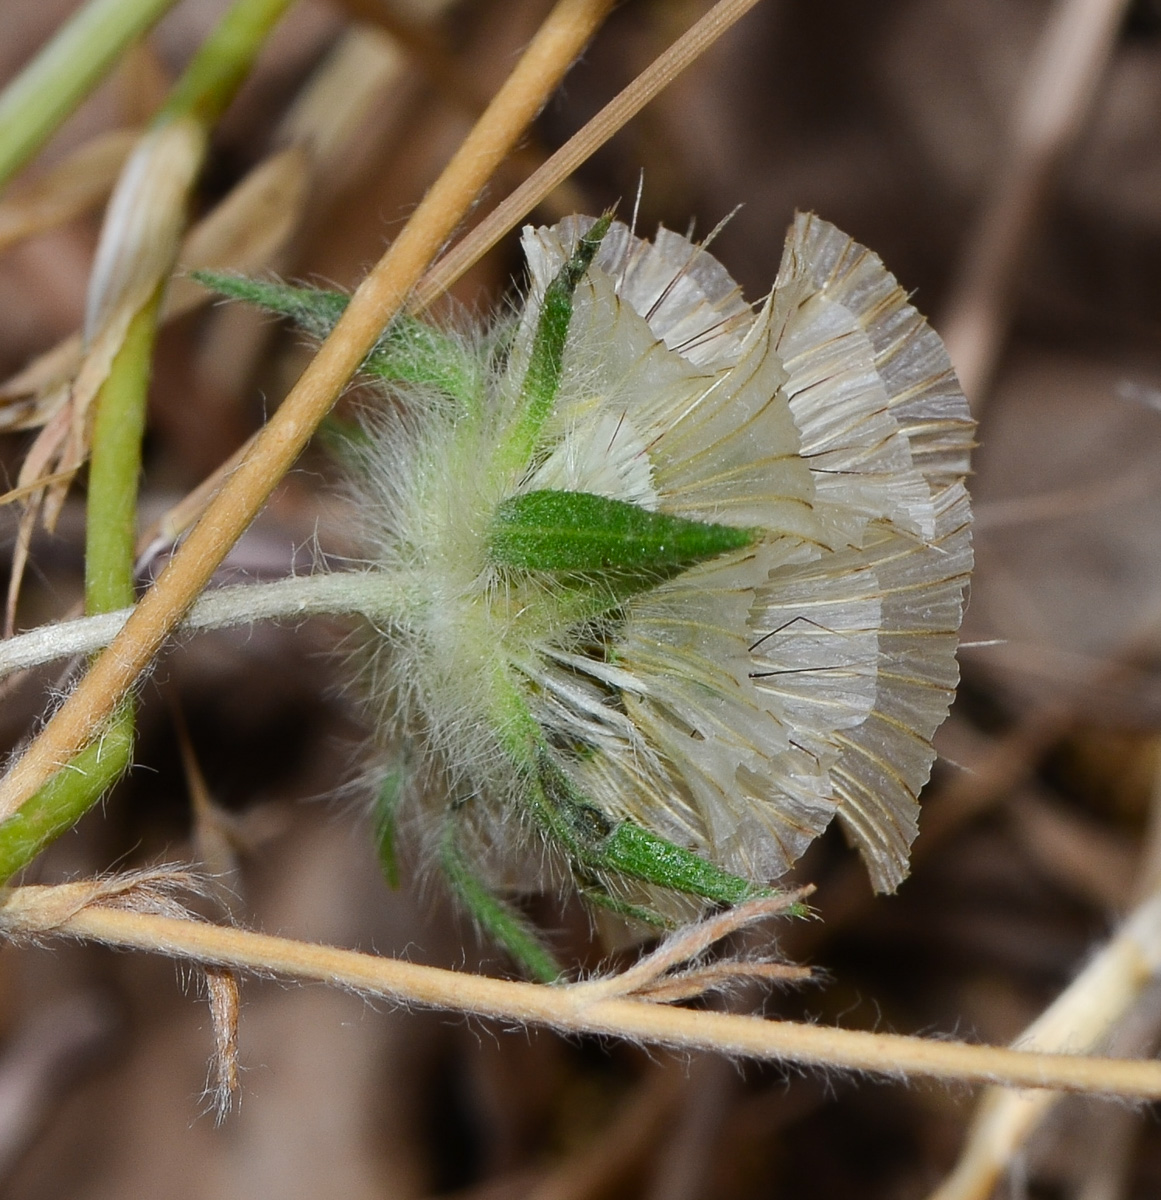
[
  {"x": 687, "y": 943},
  {"x": 721, "y": 976},
  {"x": 1004, "y": 1121},
  {"x": 1079, "y": 1019},
  {"x": 618, "y": 112},
  {"x": 68, "y": 910}
]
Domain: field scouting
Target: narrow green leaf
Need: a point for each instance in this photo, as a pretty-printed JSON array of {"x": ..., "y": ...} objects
[
  {"x": 499, "y": 920},
  {"x": 312, "y": 309},
  {"x": 385, "y": 810},
  {"x": 579, "y": 531},
  {"x": 67, "y": 796},
  {"x": 409, "y": 350},
  {"x": 544, "y": 366},
  {"x": 595, "y": 894},
  {"x": 222, "y": 62},
  {"x": 546, "y": 360},
  {"x": 598, "y": 845}
]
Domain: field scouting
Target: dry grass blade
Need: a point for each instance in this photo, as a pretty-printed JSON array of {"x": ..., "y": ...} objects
[
  {"x": 139, "y": 240},
  {"x": 36, "y": 472},
  {"x": 22, "y": 493},
  {"x": 225, "y": 996},
  {"x": 32, "y": 396},
  {"x": 245, "y": 232},
  {"x": 1079, "y": 1019}
]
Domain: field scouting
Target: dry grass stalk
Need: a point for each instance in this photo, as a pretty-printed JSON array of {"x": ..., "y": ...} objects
[
  {"x": 1087, "y": 1013},
  {"x": 618, "y": 112},
  {"x": 81, "y": 911},
  {"x": 1079, "y": 1019}
]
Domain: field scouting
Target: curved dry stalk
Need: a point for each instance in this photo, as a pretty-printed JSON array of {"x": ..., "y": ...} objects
[
  {"x": 68, "y": 911},
  {"x": 1080, "y": 1018},
  {"x": 618, "y": 112},
  {"x": 687, "y": 943},
  {"x": 721, "y": 976},
  {"x": 382, "y": 293}
]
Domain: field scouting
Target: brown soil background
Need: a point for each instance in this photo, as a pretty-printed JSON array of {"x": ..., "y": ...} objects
[{"x": 890, "y": 119}]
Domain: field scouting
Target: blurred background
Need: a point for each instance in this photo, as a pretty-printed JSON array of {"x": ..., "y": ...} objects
[{"x": 1004, "y": 159}]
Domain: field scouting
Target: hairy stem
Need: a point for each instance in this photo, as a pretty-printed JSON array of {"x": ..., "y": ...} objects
[
  {"x": 381, "y": 598},
  {"x": 64, "y": 911}
]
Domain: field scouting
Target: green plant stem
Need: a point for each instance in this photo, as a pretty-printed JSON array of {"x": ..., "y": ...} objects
[
  {"x": 383, "y": 598},
  {"x": 64, "y": 72},
  {"x": 202, "y": 93},
  {"x": 224, "y": 60},
  {"x": 67, "y": 796},
  {"x": 118, "y": 427},
  {"x": 110, "y": 533}
]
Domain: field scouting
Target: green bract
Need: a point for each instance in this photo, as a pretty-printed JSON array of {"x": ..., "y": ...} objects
[
  {"x": 580, "y": 531},
  {"x": 685, "y": 577}
]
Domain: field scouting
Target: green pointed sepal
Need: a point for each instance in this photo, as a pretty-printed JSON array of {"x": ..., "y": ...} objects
[
  {"x": 383, "y": 815},
  {"x": 601, "y": 848},
  {"x": 583, "y": 532},
  {"x": 409, "y": 351}
]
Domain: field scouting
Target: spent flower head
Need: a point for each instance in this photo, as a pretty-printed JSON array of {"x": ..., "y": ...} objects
[{"x": 682, "y": 578}]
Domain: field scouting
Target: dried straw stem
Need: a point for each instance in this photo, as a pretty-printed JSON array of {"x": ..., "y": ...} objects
[
  {"x": 555, "y": 170},
  {"x": 61, "y": 911},
  {"x": 1079, "y": 1019},
  {"x": 559, "y": 40}
]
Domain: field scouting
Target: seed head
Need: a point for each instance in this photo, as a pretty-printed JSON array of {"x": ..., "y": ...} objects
[{"x": 687, "y": 576}]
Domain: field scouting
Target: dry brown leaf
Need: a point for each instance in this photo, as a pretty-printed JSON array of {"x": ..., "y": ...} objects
[{"x": 78, "y": 183}]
